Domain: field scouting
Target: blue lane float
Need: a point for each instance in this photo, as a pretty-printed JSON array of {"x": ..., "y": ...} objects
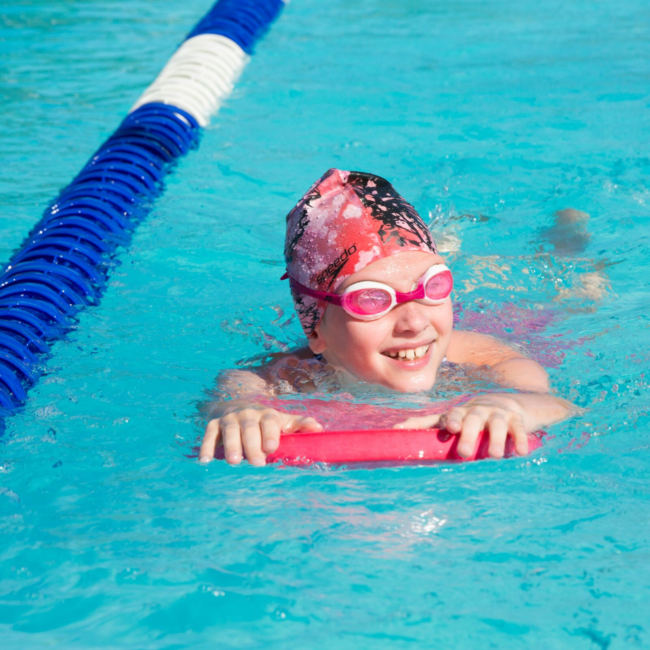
[{"x": 63, "y": 265}]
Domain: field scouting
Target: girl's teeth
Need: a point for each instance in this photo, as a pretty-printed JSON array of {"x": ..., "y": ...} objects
[{"x": 410, "y": 354}]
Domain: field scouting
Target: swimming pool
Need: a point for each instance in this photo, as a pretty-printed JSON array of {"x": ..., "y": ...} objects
[{"x": 489, "y": 118}]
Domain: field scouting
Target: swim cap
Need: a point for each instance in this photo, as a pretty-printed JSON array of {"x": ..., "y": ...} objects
[{"x": 346, "y": 221}]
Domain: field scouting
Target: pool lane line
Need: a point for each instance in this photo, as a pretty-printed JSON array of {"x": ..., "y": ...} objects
[{"x": 62, "y": 266}]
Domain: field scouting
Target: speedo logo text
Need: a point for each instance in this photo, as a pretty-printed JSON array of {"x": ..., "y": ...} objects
[{"x": 336, "y": 264}]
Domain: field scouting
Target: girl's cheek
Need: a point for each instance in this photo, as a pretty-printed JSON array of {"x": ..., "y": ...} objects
[{"x": 445, "y": 322}]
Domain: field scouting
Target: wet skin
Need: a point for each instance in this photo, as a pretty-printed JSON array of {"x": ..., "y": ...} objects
[{"x": 363, "y": 349}]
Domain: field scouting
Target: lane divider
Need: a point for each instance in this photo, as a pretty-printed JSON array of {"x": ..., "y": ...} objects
[
  {"x": 199, "y": 76},
  {"x": 64, "y": 263}
]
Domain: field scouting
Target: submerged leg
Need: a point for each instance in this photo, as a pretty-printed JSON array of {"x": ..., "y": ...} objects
[{"x": 568, "y": 234}]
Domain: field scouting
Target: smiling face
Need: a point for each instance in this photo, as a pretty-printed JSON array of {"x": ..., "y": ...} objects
[{"x": 403, "y": 349}]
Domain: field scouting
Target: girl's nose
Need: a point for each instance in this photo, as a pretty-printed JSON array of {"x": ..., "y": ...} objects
[{"x": 411, "y": 317}]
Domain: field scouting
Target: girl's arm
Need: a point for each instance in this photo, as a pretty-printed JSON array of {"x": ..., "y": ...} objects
[
  {"x": 509, "y": 367},
  {"x": 237, "y": 388},
  {"x": 245, "y": 426},
  {"x": 501, "y": 414}
]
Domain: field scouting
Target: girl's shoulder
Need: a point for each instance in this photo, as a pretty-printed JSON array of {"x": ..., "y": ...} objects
[
  {"x": 290, "y": 370},
  {"x": 277, "y": 359}
]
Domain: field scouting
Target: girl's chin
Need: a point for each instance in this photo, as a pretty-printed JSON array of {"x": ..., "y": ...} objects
[
  {"x": 413, "y": 382},
  {"x": 410, "y": 376},
  {"x": 414, "y": 386}
]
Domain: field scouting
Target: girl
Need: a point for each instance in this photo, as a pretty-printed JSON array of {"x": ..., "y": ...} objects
[{"x": 373, "y": 298}]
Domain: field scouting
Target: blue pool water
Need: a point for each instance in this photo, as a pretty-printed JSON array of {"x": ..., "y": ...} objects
[{"x": 490, "y": 117}]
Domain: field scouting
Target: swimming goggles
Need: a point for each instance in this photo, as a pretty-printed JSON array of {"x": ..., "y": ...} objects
[{"x": 372, "y": 300}]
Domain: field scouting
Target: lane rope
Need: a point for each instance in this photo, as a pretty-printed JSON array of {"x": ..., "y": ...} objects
[{"x": 63, "y": 264}]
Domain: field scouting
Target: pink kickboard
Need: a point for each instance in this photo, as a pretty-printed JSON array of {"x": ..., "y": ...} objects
[{"x": 381, "y": 445}]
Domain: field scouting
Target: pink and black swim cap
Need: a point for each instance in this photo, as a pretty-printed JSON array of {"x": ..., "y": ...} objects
[{"x": 346, "y": 221}]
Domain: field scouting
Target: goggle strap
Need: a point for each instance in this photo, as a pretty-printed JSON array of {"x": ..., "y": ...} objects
[{"x": 332, "y": 298}]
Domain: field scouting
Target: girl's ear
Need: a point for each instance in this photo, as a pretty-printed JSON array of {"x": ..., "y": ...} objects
[{"x": 316, "y": 341}]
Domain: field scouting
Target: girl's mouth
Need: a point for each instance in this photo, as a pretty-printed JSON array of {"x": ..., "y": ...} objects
[
  {"x": 408, "y": 354},
  {"x": 415, "y": 358}
]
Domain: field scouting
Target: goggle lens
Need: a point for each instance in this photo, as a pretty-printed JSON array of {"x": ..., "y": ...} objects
[
  {"x": 439, "y": 286},
  {"x": 368, "y": 301}
]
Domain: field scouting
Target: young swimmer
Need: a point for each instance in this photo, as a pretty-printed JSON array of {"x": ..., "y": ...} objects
[{"x": 373, "y": 298}]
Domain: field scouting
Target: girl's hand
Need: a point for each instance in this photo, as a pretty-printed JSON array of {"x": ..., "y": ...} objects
[
  {"x": 500, "y": 415},
  {"x": 256, "y": 431}
]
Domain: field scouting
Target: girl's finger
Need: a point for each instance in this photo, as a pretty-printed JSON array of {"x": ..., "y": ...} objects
[
  {"x": 270, "y": 425},
  {"x": 309, "y": 424},
  {"x": 251, "y": 435},
  {"x": 423, "y": 422},
  {"x": 209, "y": 443},
  {"x": 294, "y": 423},
  {"x": 231, "y": 436},
  {"x": 473, "y": 424},
  {"x": 453, "y": 420},
  {"x": 518, "y": 433},
  {"x": 498, "y": 430}
]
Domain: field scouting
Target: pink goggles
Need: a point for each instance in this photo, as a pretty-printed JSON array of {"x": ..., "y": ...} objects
[{"x": 372, "y": 300}]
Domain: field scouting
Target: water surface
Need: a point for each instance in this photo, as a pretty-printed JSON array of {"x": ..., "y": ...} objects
[{"x": 489, "y": 117}]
